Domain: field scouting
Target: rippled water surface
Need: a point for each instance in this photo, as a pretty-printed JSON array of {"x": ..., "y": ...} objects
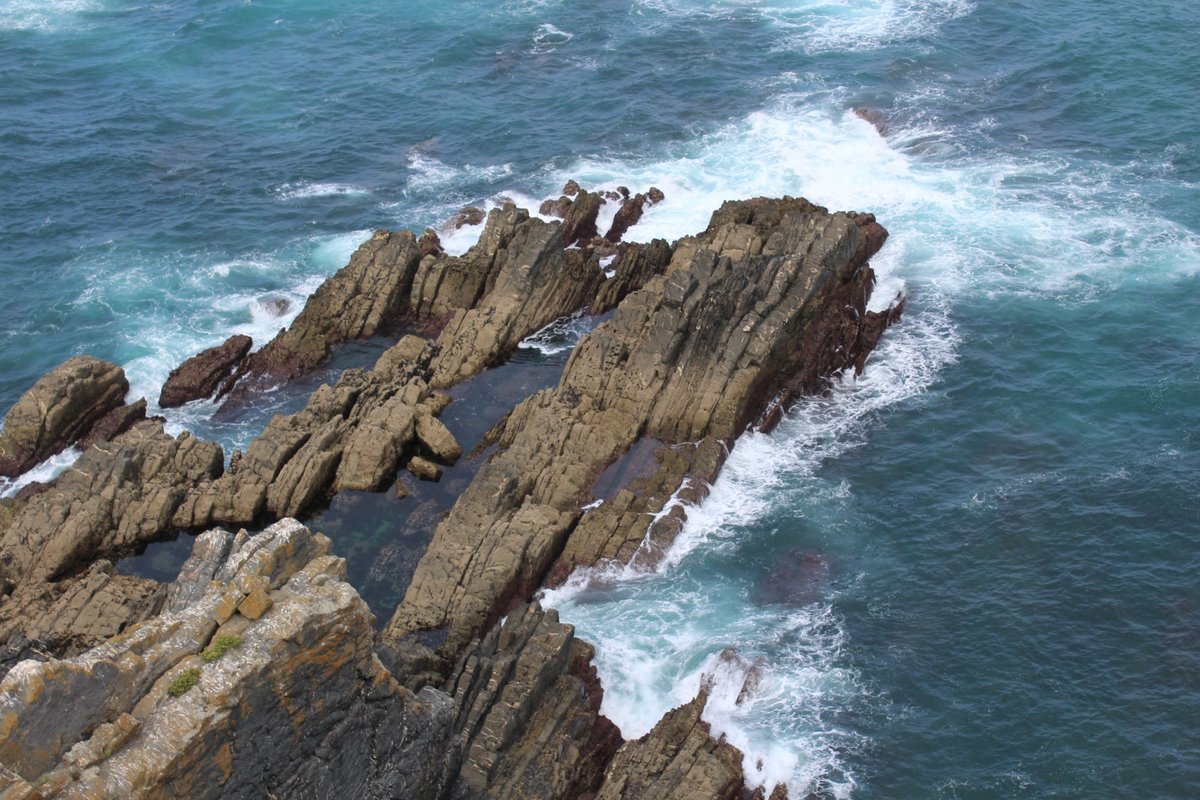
[{"x": 988, "y": 541}]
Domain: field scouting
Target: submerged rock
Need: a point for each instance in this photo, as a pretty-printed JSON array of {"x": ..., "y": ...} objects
[{"x": 58, "y": 410}]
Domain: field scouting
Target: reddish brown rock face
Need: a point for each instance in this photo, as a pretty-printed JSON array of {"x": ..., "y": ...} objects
[{"x": 201, "y": 375}]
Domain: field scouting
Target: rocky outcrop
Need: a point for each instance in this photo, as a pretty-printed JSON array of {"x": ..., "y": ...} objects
[
  {"x": 677, "y": 759},
  {"x": 118, "y": 495},
  {"x": 519, "y": 277},
  {"x": 365, "y": 297},
  {"x": 60, "y": 409},
  {"x": 202, "y": 374},
  {"x": 631, "y": 211},
  {"x": 767, "y": 303},
  {"x": 354, "y": 435},
  {"x": 61, "y": 619},
  {"x": 527, "y": 713},
  {"x": 226, "y": 696},
  {"x": 262, "y": 665}
]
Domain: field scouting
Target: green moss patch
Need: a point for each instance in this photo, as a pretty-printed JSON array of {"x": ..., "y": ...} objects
[
  {"x": 184, "y": 681},
  {"x": 219, "y": 647}
]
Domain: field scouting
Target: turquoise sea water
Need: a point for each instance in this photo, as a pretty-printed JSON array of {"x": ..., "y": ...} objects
[{"x": 1003, "y": 506}]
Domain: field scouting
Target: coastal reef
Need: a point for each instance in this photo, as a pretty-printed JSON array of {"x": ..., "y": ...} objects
[{"x": 260, "y": 670}]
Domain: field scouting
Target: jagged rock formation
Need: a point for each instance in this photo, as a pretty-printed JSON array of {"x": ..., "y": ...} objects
[
  {"x": 764, "y": 305},
  {"x": 118, "y": 495},
  {"x": 222, "y": 696},
  {"x": 58, "y": 410},
  {"x": 677, "y": 759},
  {"x": 350, "y": 436},
  {"x": 527, "y": 713},
  {"x": 202, "y": 374},
  {"x": 711, "y": 334},
  {"x": 42, "y": 620},
  {"x": 516, "y": 279}
]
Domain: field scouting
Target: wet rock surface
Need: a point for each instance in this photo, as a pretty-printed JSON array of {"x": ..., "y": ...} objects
[
  {"x": 469, "y": 691},
  {"x": 764, "y": 305},
  {"x": 58, "y": 410},
  {"x": 202, "y": 374}
]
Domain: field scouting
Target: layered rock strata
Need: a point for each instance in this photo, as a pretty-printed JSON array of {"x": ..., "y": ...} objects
[
  {"x": 767, "y": 303},
  {"x": 259, "y": 679}
]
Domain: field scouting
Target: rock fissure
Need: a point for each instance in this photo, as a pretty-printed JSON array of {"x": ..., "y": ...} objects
[{"x": 469, "y": 691}]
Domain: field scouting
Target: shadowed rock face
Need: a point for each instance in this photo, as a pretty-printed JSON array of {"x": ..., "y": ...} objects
[
  {"x": 764, "y": 305},
  {"x": 59, "y": 410},
  {"x": 677, "y": 759},
  {"x": 202, "y": 374},
  {"x": 298, "y": 706}
]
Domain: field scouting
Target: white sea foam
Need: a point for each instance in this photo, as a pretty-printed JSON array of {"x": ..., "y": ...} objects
[
  {"x": 220, "y": 313},
  {"x": 547, "y": 38},
  {"x": 1025, "y": 224},
  {"x": 46, "y": 471},
  {"x": 430, "y": 174},
  {"x": 820, "y": 26},
  {"x": 44, "y": 15},
  {"x": 304, "y": 189},
  {"x": 561, "y": 335}
]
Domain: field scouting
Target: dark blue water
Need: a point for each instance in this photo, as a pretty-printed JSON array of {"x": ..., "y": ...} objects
[{"x": 1005, "y": 501}]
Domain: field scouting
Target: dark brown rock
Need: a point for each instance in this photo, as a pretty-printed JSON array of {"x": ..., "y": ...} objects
[
  {"x": 527, "y": 713},
  {"x": 571, "y": 188},
  {"x": 429, "y": 244},
  {"x": 627, "y": 216},
  {"x": 579, "y": 224},
  {"x": 199, "y": 376},
  {"x": 555, "y": 208},
  {"x": 114, "y": 423},
  {"x": 468, "y": 216},
  {"x": 59, "y": 410}
]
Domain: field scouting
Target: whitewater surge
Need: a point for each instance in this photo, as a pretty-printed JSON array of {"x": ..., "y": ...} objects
[{"x": 1003, "y": 497}]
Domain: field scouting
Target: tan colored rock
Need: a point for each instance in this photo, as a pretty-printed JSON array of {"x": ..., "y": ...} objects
[
  {"x": 256, "y": 603},
  {"x": 437, "y": 437},
  {"x": 58, "y": 410},
  {"x": 62, "y": 619},
  {"x": 367, "y": 296},
  {"x": 764, "y": 305},
  {"x": 424, "y": 469},
  {"x": 260, "y": 721},
  {"x": 677, "y": 760},
  {"x": 118, "y": 495}
]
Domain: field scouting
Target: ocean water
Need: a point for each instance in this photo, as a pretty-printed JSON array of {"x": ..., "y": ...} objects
[{"x": 969, "y": 573}]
